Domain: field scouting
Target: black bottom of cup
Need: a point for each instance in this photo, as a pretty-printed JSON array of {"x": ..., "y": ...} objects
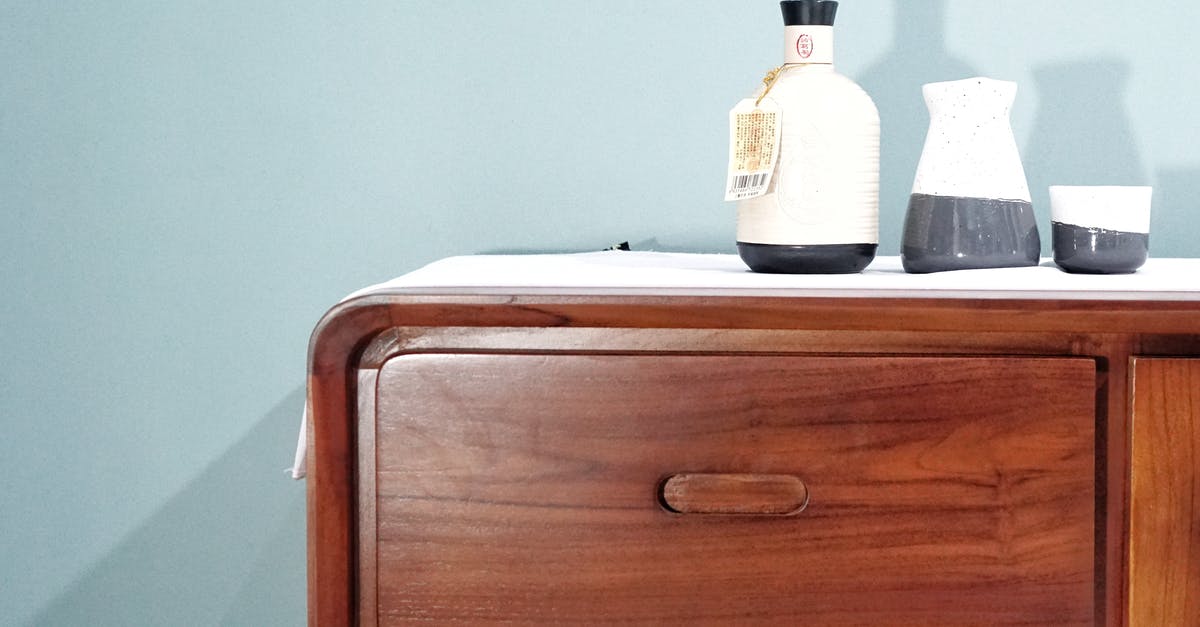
[
  {"x": 944, "y": 233},
  {"x": 1086, "y": 250},
  {"x": 824, "y": 259}
]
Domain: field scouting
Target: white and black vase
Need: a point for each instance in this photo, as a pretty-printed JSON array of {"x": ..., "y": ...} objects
[{"x": 970, "y": 206}]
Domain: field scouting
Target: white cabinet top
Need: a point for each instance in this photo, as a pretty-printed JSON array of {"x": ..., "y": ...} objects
[{"x": 642, "y": 273}]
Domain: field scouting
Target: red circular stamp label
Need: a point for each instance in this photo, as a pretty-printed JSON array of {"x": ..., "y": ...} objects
[{"x": 804, "y": 46}]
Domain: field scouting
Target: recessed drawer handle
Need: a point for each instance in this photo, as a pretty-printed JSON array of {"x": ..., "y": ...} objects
[{"x": 741, "y": 495}]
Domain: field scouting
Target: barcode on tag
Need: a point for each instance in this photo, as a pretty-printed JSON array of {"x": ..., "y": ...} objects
[
  {"x": 743, "y": 183},
  {"x": 754, "y": 132}
]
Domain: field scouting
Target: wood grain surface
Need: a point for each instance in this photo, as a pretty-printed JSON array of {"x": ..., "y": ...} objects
[
  {"x": 1164, "y": 544},
  {"x": 358, "y": 332},
  {"x": 333, "y": 526},
  {"x": 943, "y": 491},
  {"x": 366, "y": 332}
]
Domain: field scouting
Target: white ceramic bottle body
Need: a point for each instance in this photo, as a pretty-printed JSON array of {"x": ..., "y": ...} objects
[{"x": 825, "y": 189}]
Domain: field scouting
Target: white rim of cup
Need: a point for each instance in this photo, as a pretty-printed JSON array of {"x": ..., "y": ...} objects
[{"x": 1124, "y": 208}]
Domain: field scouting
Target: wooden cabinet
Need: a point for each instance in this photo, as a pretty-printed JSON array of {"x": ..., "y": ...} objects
[
  {"x": 1164, "y": 552},
  {"x": 595, "y": 457}
]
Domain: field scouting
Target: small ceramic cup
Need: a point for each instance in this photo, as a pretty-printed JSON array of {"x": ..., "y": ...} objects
[{"x": 1100, "y": 229}]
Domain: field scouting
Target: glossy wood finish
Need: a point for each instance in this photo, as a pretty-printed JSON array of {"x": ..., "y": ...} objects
[
  {"x": 944, "y": 491},
  {"x": 734, "y": 494},
  {"x": 1164, "y": 553},
  {"x": 366, "y": 332},
  {"x": 333, "y": 525}
]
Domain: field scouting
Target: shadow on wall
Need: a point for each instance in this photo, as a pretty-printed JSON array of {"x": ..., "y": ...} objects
[
  {"x": 1082, "y": 132},
  {"x": 918, "y": 55},
  {"x": 228, "y": 549},
  {"x": 1175, "y": 200}
]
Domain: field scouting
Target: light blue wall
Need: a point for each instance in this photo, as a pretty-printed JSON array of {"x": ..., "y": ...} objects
[{"x": 186, "y": 186}]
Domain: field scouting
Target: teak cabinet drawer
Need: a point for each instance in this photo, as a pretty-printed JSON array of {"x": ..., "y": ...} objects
[{"x": 534, "y": 488}]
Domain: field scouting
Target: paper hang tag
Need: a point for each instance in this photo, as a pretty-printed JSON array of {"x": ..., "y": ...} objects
[{"x": 754, "y": 131}]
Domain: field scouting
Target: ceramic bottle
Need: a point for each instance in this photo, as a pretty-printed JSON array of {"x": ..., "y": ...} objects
[
  {"x": 970, "y": 206},
  {"x": 821, "y": 211}
]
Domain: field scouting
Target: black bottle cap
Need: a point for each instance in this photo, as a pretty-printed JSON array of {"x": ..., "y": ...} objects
[{"x": 808, "y": 12}]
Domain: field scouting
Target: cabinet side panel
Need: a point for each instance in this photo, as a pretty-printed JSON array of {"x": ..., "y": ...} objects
[
  {"x": 1164, "y": 551},
  {"x": 367, "y": 557}
]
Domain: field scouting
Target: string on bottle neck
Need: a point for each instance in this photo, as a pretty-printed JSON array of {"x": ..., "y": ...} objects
[{"x": 773, "y": 76}]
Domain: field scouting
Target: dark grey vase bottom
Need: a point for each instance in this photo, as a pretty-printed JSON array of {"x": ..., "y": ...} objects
[
  {"x": 958, "y": 233},
  {"x": 1086, "y": 250},
  {"x": 826, "y": 259}
]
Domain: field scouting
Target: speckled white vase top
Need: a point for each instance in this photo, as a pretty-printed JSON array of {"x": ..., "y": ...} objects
[{"x": 970, "y": 150}]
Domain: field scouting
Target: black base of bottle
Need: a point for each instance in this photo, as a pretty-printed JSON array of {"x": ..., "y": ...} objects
[{"x": 825, "y": 259}]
